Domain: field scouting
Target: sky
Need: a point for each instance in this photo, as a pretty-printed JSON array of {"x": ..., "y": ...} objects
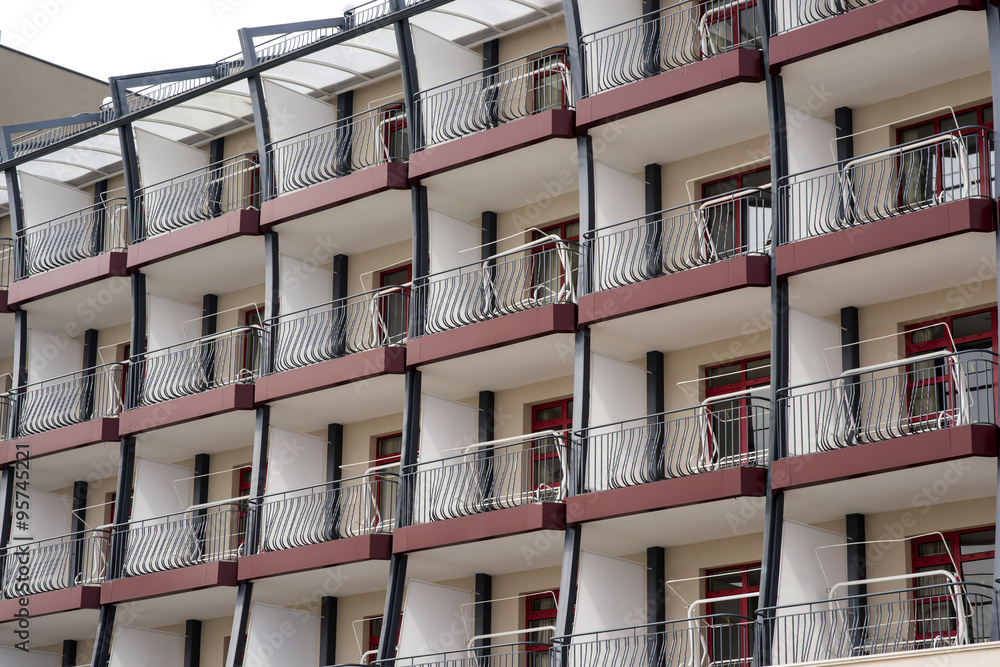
[{"x": 104, "y": 38}]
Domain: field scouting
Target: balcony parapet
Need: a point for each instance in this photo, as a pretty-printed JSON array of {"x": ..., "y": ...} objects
[{"x": 58, "y": 563}]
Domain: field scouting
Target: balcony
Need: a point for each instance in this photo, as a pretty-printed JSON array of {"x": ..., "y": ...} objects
[
  {"x": 714, "y": 451},
  {"x": 700, "y": 640},
  {"x": 226, "y": 192},
  {"x": 336, "y": 343},
  {"x": 81, "y": 247},
  {"x": 943, "y": 615},
  {"x": 68, "y": 411},
  {"x": 513, "y": 296},
  {"x": 695, "y": 250},
  {"x": 188, "y": 550},
  {"x": 324, "y": 525},
  {"x": 521, "y": 103},
  {"x": 206, "y": 376},
  {"x": 352, "y": 157},
  {"x": 927, "y": 409},
  {"x": 676, "y": 52},
  {"x": 520, "y": 480}
]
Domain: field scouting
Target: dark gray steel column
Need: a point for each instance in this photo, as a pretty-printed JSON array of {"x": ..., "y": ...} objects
[
  {"x": 209, "y": 326},
  {"x": 130, "y": 162},
  {"x": 850, "y": 357},
  {"x": 344, "y": 133},
  {"x": 391, "y": 616},
  {"x": 656, "y": 603},
  {"x": 6, "y": 505},
  {"x": 77, "y": 529},
  {"x": 775, "y": 501},
  {"x": 651, "y": 37},
  {"x": 89, "y": 363},
  {"x": 334, "y": 459},
  {"x": 844, "y": 122},
  {"x": 421, "y": 260},
  {"x": 857, "y": 569},
  {"x": 408, "y": 72},
  {"x": 574, "y": 33},
  {"x": 202, "y": 465},
  {"x": 491, "y": 69},
  {"x": 261, "y": 120},
  {"x": 241, "y": 620},
  {"x": 410, "y": 447},
  {"x": 14, "y": 205},
  {"x": 20, "y": 373},
  {"x": 216, "y": 153},
  {"x": 484, "y": 457},
  {"x": 654, "y": 221},
  {"x": 328, "y": 631},
  {"x": 97, "y": 238},
  {"x": 568, "y": 584},
  {"x": 258, "y": 472},
  {"x": 69, "y": 653},
  {"x": 272, "y": 282},
  {"x": 579, "y": 444},
  {"x": 137, "y": 341},
  {"x": 192, "y": 643},
  {"x": 655, "y": 406},
  {"x": 340, "y": 291},
  {"x": 488, "y": 250},
  {"x": 483, "y": 616},
  {"x": 123, "y": 507},
  {"x": 102, "y": 641}
]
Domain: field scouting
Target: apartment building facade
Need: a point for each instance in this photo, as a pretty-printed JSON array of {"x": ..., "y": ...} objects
[{"x": 513, "y": 333}]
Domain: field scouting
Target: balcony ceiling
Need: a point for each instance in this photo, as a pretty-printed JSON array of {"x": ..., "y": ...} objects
[{"x": 81, "y": 164}]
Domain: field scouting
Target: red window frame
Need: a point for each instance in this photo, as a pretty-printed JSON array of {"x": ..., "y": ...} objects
[
  {"x": 531, "y": 615},
  {"x": 984, "y": 157},
  {"x": 942, "y": 561},
  {"x": 560, "y": 229},
  {"x": 394, "y": 121},
  {"x": 244, "y": 482},
  {"x": 248, "y": 316},
  {"x": 942, "y": 379},
  {"x": 563, "y": 423},
  {"x": 383, "y": 276},
  {"x": 384, "y": 460},
  {"x": 739, "y": 223},
  {"x": 746, "y": 630},
  {"x": 740, "y": 383},
  {"x": 539, "y": 78}
]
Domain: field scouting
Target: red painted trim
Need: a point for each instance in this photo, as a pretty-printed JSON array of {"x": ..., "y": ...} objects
[
  {"x": 499, "y": 332},
  {"x": 187, "y": 408},
  {"x": 726, "y": 69},
  {"x": 517, "y": 134},
  {"x": 331, "y": 373},
  {"x": 666, "y": 494},
  {"x": 54, "y": 602},
  {"x": 62, "y": 439},
  {"x": 877, "y": 457},
  {"x": 315, "y": 556},
  {"x": 726, "y": 276},
  {"x": 339, "y": 191},
  {"x": 478, "y": 527},
  {"x": 67, "y": 277},
  {"x": 968, "y": 215},
  {"x": 4, "y": 308},
  {"x": 182, "y": 580},
  {"x": 858, "y": 25},
  {"x": 192, "y": 237}
]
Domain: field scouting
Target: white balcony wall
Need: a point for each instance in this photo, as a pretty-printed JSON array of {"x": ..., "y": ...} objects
[
  {"x": 814, "y": 355},
  {"x": 170, "y": 322},
  {"x": 617, "y": 393},
  {"x": 599, "y": 14},
  {"x": 431, "y": 614},
  {"x": 448, "y": 237},
  {"x": 160, "y": 489},
  {"x": 440, "y": 61},
  {"x": 180, "y": 369},
  {"x": 303, "y": 285},
  {"x": 45, "y": 200},
  {"x": 52, "y": 355},
  {"x": 810, "y": 146},
  {"x": 444, "y": 425},
  {"x": 58, "y": 403},
  {"x": 619, "y": 197},
  {"x": 812, "y": 561},
  {"x": 295, "y": 461},
  {"x": 278, "y": 637},
  {"x": 49, "y": 517},
  {"x": 15, "y": 657},
  {"x": 611, "y": 595},
  {"x": 293, "y": 113},
  {"x": 161, "y": 159},
  {"x": 149, "y": 648}
]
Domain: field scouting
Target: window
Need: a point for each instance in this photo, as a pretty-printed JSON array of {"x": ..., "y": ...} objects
[
  {"x": 244, "y": 480},
  {"x": 726, "y": 24},
  {"x": 733, "y": 436},
  {"x": 252, "y": 344},
  {"x": 540, "y": 610},
  {"x": 972, "y": 551},
  {"x": 546, "y": 472},
  {"x": 374, "y": 633},
  {"x": 395, "y": 135},
  {"x": 933, "y": 393},
  {"x": 933, "y": 174},
  {"x": 736, "y": 226},
  {"x": 388, "y": 450},
  {"x": 731, "y": 630},
  {"x": 548, "y": 265},
  {"x": 393, "y": 304},
  {"x": 549, "y": 81}
]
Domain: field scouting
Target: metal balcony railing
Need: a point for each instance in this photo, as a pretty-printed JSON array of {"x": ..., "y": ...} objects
[
  {"x": 33, "y": 141},
  {"x": 490, "y": 476},
  {"x": 338, "y": 149},
  {"x": 5, "y": 416},
  {"x": 282, "y": 44},
  {"x": 516, "y": 89},
  {"x": 906, "y": 619},
  {"x": 201, "y": 534},
  {"x": 722, "y": 640},
  {"x": 535, "y": 274},
  {"x": 790, "y": 14},
  {"x": 913, "y": 176},
  {"x": 924, "y": 393},
  {"x": 74, "y": 398},
  {"x": 680, "y": 238},
  {"x": 54, "y": 564},
  {"x": 363, "y": 505},
  {"x": 521, "y": 654},
  {"x": 668, "y": 38},
  {"x": 368, "y": 12},
  {"x": 6, "y": 262},
  {"x": 89, "y": 232},
  {"x": 362, "y": 322},
  {"x": 208, "y": 192},
  {"x": 185, "y": 369},
  {"x": 723, "y": 432},
  {"x": 153, "y": 94}
]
